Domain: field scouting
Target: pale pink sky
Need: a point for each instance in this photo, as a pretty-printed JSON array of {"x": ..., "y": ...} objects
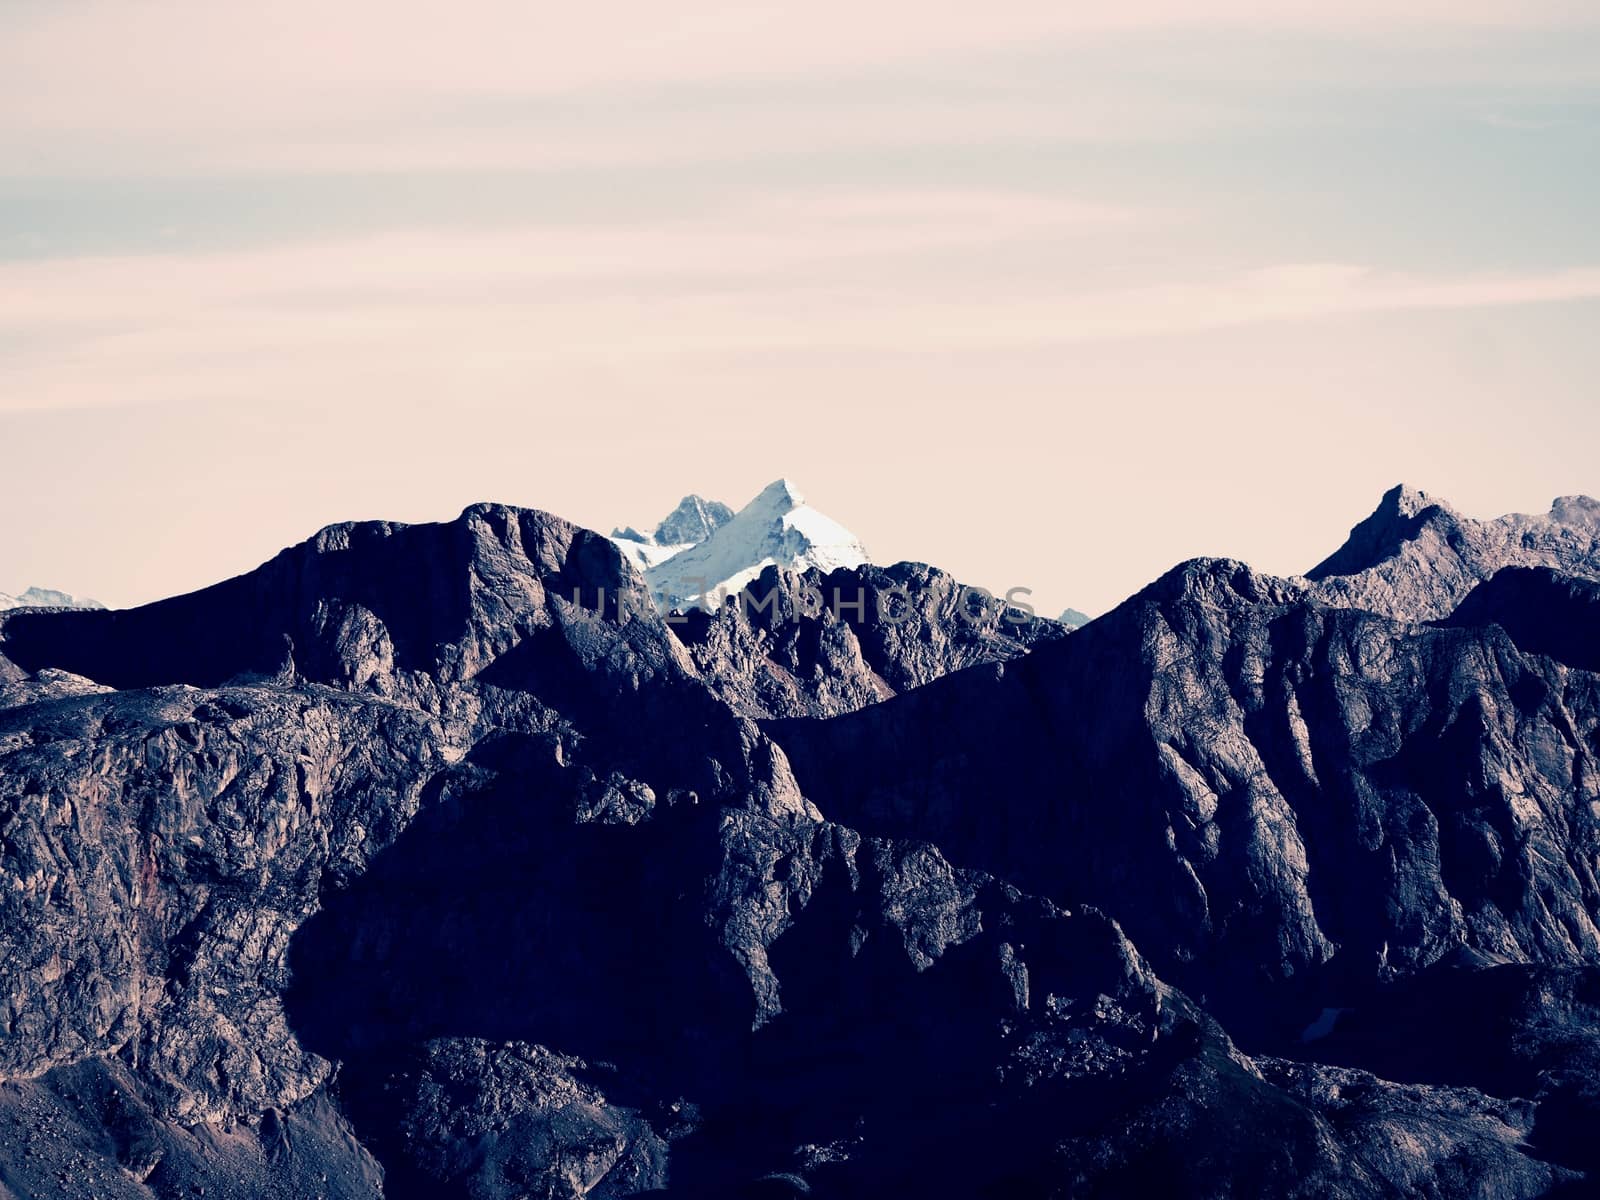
[{"x": 1047, "y": 298}]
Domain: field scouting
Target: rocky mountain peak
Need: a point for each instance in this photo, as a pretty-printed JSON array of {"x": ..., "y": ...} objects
[
  {"x": 1416, "y": 558},
  {"x": 869, "y": 633},
  {"x": 372, "y": 605},
  {"x": 690, "y": 523},
  {"x": 1218, "y": 582},
  {"x": 1576, "y": 510},
  {"x": 1407, "y": 501},
  {"x": 776, "y": 528},
  {"x": 693, "y": 521},
  {"x": 1401, "y": 514},
  {"x": 779, "y": 494}
]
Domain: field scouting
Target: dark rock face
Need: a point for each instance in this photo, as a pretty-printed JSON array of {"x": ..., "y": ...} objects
[
  {"x": 815, "y": 644},
  {"x": 1544, "y": 612},
  {"x": 1534, "y": 1032},
  {"x": 1415, "y": 558},
  {"x": 380, "y": 607},
  {"x": 430, "y": 862},
  {"x": 1274, "y": 797}
]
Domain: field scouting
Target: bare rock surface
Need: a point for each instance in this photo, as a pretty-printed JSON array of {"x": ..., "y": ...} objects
[
  {"x": 814, "y": 643},
  {"x": 1415, "y": 558},
  {"x": 429, "y": 861},
  {"x": 1270, "y": 794}
]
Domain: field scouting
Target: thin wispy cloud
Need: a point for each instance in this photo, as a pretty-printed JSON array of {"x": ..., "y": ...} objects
[
  {"x": 516, "y": 307},
  {"x": 102, "y": 85},
  {"x": 1070, "y": 247}
]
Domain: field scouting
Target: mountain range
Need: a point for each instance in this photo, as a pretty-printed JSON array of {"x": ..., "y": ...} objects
[
  {"x": 35, "y": 597},
  {"x": 439, "y": 860}
]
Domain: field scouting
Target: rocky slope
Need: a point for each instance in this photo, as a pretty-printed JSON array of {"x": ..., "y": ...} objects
[
  {"x": 1416, "y": 558},
  {"x": 818, "y": 644},
  {"x": 1299, "y": 798},
  {"x": 431, "y": 861}
]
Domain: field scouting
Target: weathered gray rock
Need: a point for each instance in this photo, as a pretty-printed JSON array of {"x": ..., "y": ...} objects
[
  {"x": 1523, "y": 1030},
  {"x": 160, "y": 849},
  {"x": 435, "y": 847},
  {"x": 91, "y": 1131},
  {"x": 1415, "y": 558},
  {"x": 492, "y": 1120},
  {"x": 818, "y": 644},
  {"x": 693, "y": 521},
  {"x": 1267, "y": 792},
  {"x": 1073, "y": 619}
]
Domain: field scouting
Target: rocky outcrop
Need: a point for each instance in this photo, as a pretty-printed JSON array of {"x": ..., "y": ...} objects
[
  {"x": 160, "y": 848},
  {"x": 693, "y": 521},
  {"x": 1415, "y": 558},
  {"x": 495, "y": 1119},
  {"x": 819, "y": 644},
  {"x": 92, "y": 1131}
]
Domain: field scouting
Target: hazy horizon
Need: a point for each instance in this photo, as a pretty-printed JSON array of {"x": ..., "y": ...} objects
[
  {"x": 1044, "y": 602},
  {"x": 1045, "y": 299}
]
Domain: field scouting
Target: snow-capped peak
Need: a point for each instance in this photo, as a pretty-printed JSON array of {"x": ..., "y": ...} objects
[
  {"x": 36, "y": 597},
  {"x": 692, "y": 522},
  {"x": 777, "y": 527},
  {"x": 780, "y": 493}
]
